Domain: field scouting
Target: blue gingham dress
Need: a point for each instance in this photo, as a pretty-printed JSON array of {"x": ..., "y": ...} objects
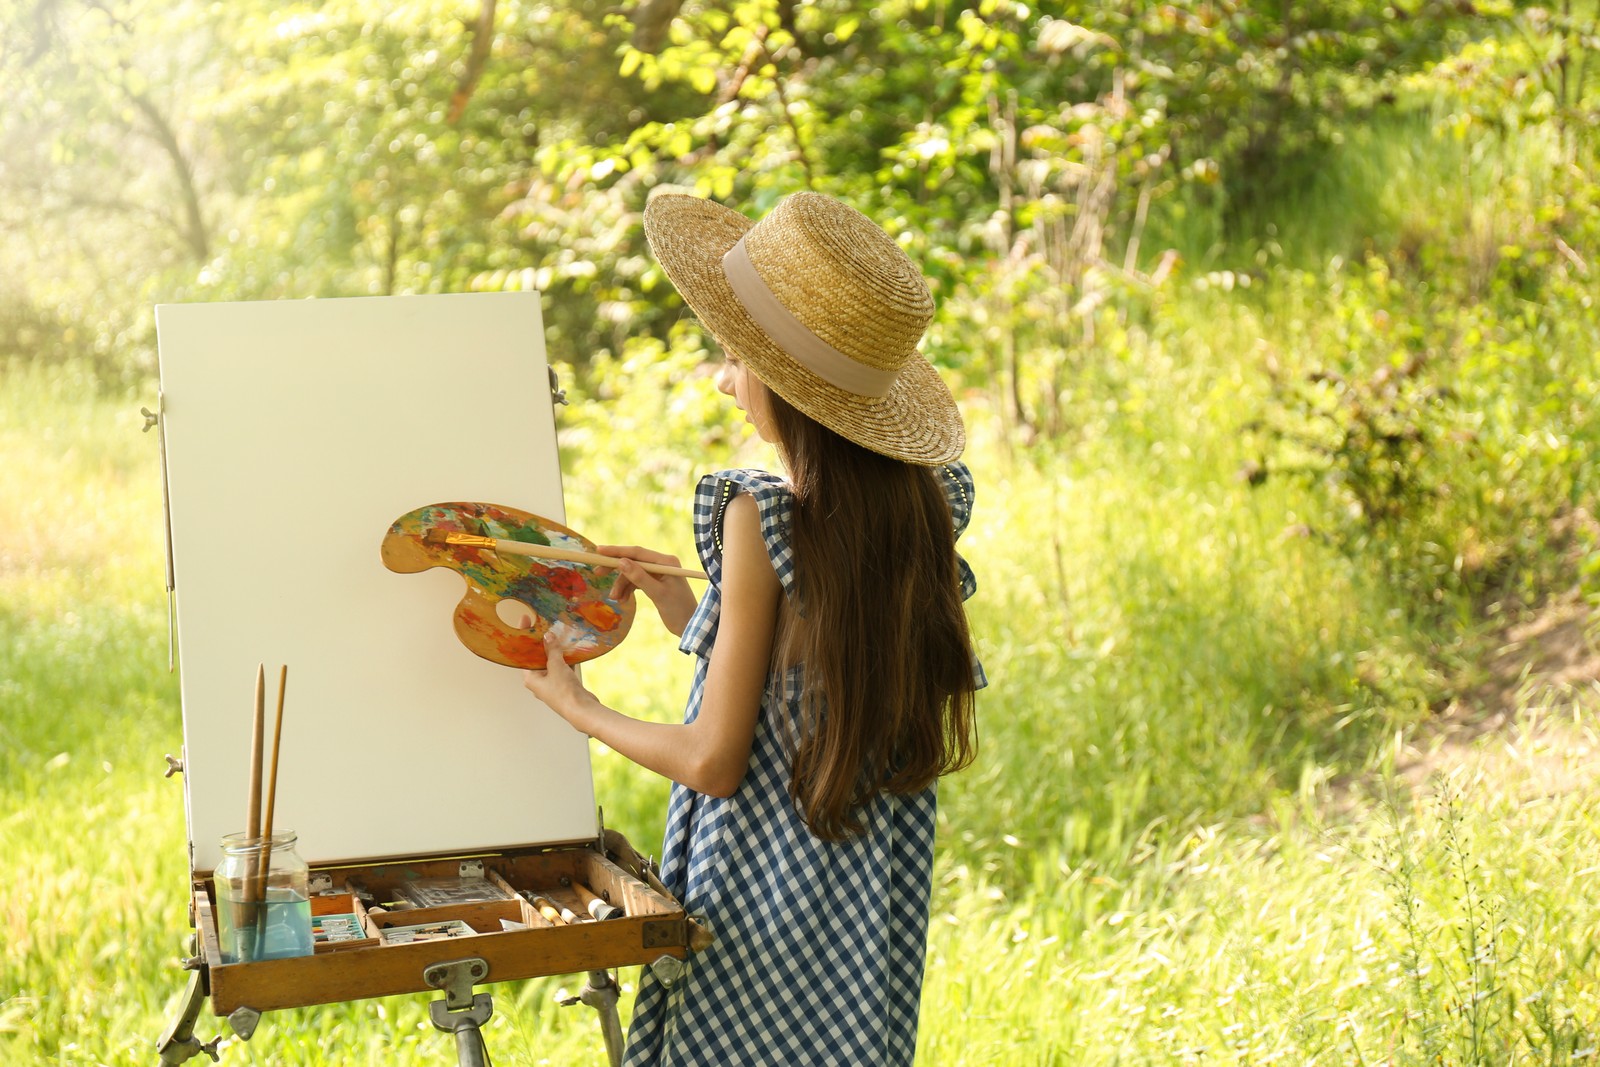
[{"x": 819, "y": 945}]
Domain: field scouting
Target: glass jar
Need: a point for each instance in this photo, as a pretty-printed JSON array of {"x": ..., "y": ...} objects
[{"x": 263, "y": 899}]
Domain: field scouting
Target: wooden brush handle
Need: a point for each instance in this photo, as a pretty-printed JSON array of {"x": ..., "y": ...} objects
[
  {"x": 252, "y": 819},
  {"x": 573, "y": 555}
]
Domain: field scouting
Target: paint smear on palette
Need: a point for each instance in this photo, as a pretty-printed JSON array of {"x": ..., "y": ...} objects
[{"x": 573, "y": 600}]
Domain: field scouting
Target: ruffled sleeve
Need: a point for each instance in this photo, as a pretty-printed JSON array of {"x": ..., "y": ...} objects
[
  {"x": 774, "y": 505},
  {"x": 959, "y": 490}
]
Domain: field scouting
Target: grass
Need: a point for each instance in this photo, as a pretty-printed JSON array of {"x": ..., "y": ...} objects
[
  {"x": 1146, "y": 865},
  {"x": 1134, "y": 872}
]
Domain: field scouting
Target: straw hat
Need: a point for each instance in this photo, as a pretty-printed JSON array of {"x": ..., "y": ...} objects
[{"x": 823, "y": 307}]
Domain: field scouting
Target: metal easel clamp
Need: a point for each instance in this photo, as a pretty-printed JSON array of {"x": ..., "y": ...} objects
[
  {"x": 456, "y": 978},
  {"x": 668, "y": 970},
  {"x": 461, "y": 1012},
  {"x": 470, "y": 1049},
  {"x": 179, "y": 1044},
  {"x": 243, "y": 1021},
  {"x": 600, "y": 993}
]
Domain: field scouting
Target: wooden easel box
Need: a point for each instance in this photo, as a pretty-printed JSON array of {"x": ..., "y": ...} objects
[
  {"x": 293, "y": 433},
  {"x": 652, "y": 926}
]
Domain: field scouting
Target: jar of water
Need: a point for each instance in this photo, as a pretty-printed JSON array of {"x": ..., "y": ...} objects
[{"x": 263, "y": 899}]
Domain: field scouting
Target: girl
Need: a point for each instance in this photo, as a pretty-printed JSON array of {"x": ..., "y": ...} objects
[{"x": 834, "y": 675}]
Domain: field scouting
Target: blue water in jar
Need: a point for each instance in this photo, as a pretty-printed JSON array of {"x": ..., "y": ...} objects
[{"x": 281, "y": 927}]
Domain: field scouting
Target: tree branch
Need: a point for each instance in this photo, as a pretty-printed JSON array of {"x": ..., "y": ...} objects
[
  {"x": 477, "y": 58},
  {"x": 794, "y": 127},
  {"x": 650, "y": 21},
  {"x": 195, "y": 233}
]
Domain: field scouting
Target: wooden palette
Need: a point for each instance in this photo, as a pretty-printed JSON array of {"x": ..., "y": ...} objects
[{"x": 571, "y": 598}]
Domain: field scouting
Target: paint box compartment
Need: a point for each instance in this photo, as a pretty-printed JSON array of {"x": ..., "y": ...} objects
[{"x": 339, "y": 922}]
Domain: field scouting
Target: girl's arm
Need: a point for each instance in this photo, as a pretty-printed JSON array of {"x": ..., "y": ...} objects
[{"x": 710, "y": 754}]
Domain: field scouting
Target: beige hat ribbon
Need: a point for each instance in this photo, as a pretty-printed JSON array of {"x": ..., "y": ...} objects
[{"x": 794, "y": 337}]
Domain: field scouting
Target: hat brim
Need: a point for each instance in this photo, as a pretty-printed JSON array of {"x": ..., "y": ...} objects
[{"x": 916, "y": 421}]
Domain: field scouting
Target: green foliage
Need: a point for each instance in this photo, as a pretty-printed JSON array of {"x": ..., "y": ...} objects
[
  {"x": 418, "y": 149},
  {"x": 99, "y": 195},
  {"x": 1398, "y": 935},
  {"x": 1473, "y": 958},
  {"x": 1347, "y": 251},
  {"x": 1440, "y": 399},
  {"x": 1370, "y": 435},
  {"x": 1375, "y": 430},
  {"x": 1175, "y": 688}
]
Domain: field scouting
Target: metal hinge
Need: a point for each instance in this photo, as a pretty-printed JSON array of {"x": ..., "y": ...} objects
[
  {"x": 456, "y": 978},
  {"x": 665, "y": 933}
]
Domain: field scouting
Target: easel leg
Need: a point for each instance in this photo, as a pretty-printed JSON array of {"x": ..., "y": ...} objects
[
  {"x": 600, "y": 993},
  {"x": 179, "y": 1043},
  {"x": 470, "y": 1049}
]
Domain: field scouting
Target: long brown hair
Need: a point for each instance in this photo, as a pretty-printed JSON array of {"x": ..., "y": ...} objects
[{"x": 878, "y": 627}]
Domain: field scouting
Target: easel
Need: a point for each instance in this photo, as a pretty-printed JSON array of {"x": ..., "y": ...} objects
[{"x": 292, "y": 433}]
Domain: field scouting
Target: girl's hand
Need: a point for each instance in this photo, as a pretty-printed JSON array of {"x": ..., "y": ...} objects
[
  {"x": 674, "y": 600},
  {"x": 559, "y": 688}
]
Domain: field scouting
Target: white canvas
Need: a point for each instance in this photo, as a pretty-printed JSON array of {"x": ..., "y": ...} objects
[{"x": 296, "y": 432}]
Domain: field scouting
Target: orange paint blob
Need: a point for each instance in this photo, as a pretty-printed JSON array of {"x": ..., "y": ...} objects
[{"x": 599, "y": 614}]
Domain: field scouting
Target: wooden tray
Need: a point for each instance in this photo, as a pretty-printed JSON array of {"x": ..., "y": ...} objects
[{"x": 651, "y": 926}]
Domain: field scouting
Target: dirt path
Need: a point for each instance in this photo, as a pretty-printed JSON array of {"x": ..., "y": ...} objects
[{"x": 1530, "y": 725}]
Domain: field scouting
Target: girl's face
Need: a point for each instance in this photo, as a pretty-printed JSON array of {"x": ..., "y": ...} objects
[{"x": 749, "y": 394}]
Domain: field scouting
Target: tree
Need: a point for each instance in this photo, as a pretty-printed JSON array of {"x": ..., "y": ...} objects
[{"x": 104, "y": 184}]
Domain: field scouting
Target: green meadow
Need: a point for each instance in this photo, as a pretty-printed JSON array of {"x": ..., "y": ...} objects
[
  {"x": 1288, "y": 567},
  {"x": 1214, "y": 818}
]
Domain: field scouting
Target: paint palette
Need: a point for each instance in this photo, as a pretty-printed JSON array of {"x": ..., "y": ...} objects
[{"x": 573, "y": 599}]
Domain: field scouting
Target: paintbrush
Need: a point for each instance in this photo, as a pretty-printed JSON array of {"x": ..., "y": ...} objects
[
  {"x": 272, "y": 792},
  {"x": 252, "y": 822},
  {"x": 569, "y": 555}
]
